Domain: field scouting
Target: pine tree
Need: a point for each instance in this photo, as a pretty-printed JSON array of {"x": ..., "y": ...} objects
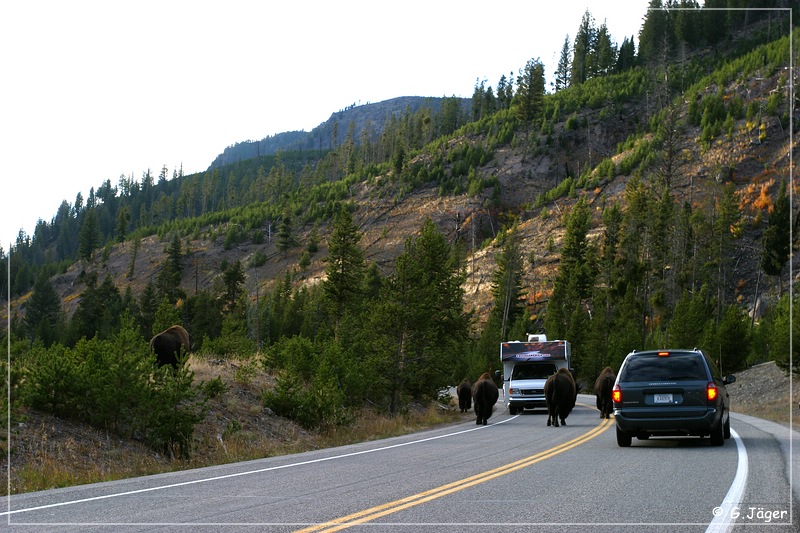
[
  {"x": 775, "y": 245},
  {"x": 507, "y": 285},
  {"x": 564, "y": 67},
  {"x": 43, "y": 312},
  {"x": 420, "y": 327},
  {"x": 574, "y": 281},
  {"x": 345, "y": 269},
  {"x": 123, "y": 220},
  {"x": 89, "y": 239},
  {"x": 583, "y": 50},
  {"x": 286, "y": 239},
  {"x": 169, "y": 277}
]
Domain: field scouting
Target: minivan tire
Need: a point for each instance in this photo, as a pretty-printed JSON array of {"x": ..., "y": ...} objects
[
  {"x": 623, "y": 439},
  {"x": 718, "y": 434}
]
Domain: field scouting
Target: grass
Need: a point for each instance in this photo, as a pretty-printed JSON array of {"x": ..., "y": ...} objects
[{"x": 47, "y": 458}]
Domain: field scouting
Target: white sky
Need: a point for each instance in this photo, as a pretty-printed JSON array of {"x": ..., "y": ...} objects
[{"x": 91, "y": 90}]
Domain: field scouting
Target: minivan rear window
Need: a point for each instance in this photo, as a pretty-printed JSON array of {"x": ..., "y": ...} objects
[{"x": 671, "y": 368}]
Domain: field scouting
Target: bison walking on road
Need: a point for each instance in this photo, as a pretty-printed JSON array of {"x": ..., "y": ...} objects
[
  {"x": 464, "y": 392},
  {"x": 560, "y": 394},
  {"x": 602, "y": 389},
  {"x": 484, "y": 396},
  {"x": 167, "y": 345}
]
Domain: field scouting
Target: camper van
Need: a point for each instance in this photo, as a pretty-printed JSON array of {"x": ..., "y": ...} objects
[{"x": 526, "y": 367}]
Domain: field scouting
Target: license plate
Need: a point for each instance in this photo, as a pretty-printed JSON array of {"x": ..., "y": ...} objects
[{"x": 662, "y": 398}]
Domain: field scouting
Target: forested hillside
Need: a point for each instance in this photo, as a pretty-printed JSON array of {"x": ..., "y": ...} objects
[
  {"x": 645, "y": 202},
  {"x": 353, "y": 124}
]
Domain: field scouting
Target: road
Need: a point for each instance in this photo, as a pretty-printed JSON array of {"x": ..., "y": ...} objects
[{"x": 515, "y": 474}]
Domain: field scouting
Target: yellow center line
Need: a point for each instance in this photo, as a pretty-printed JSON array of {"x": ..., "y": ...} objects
[{"x": 367, "y": 515}]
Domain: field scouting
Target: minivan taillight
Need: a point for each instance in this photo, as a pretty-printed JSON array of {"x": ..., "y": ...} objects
[
  {"x": 711, "y": 391},
  {"x": 616, "y": 394}
]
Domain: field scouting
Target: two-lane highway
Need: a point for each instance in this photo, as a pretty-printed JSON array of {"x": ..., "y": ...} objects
[{"x": 514, "y": 474}]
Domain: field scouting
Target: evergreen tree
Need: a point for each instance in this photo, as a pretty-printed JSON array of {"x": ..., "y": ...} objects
[
  {"x": 169, "y": 277},
  {"x": 626, "y": 57},
  {"x": 507, "y": 285},
  {"x": 605, "y": 53},
  {"x": 89, "y": 239},
  {"x": 564, "y": 67},
  {"x": 529, "y": 100},
  {"x": 43, "y": 312},
  {"x": 420, "y": 327},
  {"x": 148, "y": 305},
  {"x": 345, "y": 265},
  {"x": 233, "y": 279},
  {"x": 775, "y": 244},
  {"x": 573, "y": 283},
  {"x": 582, "y": 50},
  {"x": 98, "y": 312},
  {"x": 286, "y": 239},
  {"x": 123, "y": 220}
]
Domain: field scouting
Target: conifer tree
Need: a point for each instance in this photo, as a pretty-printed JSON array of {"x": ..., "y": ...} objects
[
  {"x": 507, "y": 284},
  {"x": 171, "y": 273},
  {"x": 43, "y": 312},
  {"x": 564, "y": 66},
  {"x": 345, "y": 269},
  {"x": 573, "y": 283},
  {"x": 582, "y": 50},
  {"x": 775, "y": 240},
  {"x": 89, "y": 239},
  {"x": 420, "y": 327},
  {"x": 286, "y": 239}
]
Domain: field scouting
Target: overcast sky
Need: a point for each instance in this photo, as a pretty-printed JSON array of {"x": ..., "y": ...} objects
[{"x": 92, "y": 90}]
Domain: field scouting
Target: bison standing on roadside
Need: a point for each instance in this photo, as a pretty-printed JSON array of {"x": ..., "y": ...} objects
[
  {"x": 167, "y": 345},
  {"x": 464, "y": 392},
  {"x": 484, "y": 396},
  {"x": 602, "y": 389},
  {"x": 560, "y": 394}
]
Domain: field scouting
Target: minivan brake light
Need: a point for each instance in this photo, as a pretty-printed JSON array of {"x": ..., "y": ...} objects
[
  {"x": 711, "y": 391},
  {"x": 616, "y": 394}
]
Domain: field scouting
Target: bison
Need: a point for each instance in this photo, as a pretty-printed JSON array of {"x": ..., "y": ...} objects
[
  {"x": 464, "y": 392},
  {"x": 484, "y": 396},
  {"x": 602, "y": 389},
  {"x": 167, "y": 345},
  {"x": 560, "y": 394}
]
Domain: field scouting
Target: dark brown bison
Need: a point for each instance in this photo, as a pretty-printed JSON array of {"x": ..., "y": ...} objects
[
  {"x": 560, "y": 394},
  {"x": 602, "y": 389},
  {"x": 464, "y": 392},
  {"x": 484, "y": 396},
  {"x": 167, "y": 345}
]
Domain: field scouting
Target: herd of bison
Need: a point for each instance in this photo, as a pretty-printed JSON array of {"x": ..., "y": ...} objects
[{"x": 560, "y": 391}]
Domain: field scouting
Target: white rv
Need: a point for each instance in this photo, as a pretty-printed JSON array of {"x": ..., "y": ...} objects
[{"x": 526, "y": 367}]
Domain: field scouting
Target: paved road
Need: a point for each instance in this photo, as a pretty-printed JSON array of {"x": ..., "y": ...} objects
[{"x": 515, "y": 474}]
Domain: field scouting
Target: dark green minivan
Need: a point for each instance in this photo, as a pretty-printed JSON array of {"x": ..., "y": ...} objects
[{"x": 663, "y": 393}]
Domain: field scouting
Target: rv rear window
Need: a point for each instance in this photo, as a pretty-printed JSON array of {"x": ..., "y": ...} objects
[{"x": 533, "y": 371}]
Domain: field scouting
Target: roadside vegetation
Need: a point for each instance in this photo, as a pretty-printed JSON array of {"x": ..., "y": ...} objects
[{"x": 679, "y": 255}]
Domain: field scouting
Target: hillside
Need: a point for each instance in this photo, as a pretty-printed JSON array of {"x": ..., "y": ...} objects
[
  {"x": 689, "y": 157},
  {"x": 367, "y": 119},
  {"x": 750, "y": 164}
]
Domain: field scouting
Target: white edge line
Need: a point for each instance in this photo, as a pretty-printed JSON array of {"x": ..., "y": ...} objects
[
  {"x": 723, "y": 521},
  {"x": 248, "y": 472}
]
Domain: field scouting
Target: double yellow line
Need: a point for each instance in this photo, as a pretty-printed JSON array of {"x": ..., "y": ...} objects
[{"x": 367, "y": 515}]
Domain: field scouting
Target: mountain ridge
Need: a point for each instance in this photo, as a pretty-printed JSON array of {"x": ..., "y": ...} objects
[{"x": 322, "y": 136}]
